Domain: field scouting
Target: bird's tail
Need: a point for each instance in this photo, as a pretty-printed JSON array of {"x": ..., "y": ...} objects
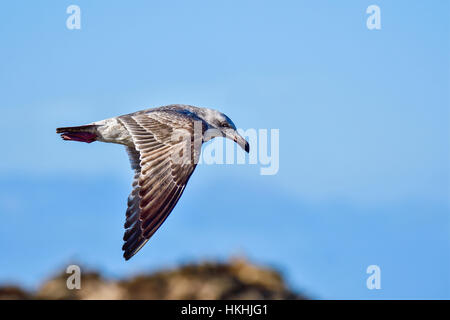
[{"x": 87, "y": 133}]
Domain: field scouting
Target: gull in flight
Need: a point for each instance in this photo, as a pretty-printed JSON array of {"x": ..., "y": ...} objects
[{"x": 164, "y": 147}]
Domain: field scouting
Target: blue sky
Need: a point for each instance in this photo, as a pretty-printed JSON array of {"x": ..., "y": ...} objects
[{"x": 364, "y": 138}]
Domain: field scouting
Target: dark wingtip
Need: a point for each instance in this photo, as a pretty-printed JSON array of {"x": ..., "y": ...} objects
[{"x": 128, "y": 254}]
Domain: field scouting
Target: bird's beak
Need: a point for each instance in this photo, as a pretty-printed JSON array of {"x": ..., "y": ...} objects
[{"x": 236, "y": 137}]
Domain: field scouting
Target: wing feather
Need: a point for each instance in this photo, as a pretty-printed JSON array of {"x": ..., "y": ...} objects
[{"x": 159, "y": 180}]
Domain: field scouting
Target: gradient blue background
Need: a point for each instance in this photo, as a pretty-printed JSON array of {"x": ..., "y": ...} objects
[{"x": 364, "y": 138}]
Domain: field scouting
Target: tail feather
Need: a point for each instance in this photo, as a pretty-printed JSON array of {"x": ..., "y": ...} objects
[{"x": 87, "y": 133}]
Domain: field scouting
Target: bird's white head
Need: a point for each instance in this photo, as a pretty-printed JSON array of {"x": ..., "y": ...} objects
[{"x": 223, "y": 126}]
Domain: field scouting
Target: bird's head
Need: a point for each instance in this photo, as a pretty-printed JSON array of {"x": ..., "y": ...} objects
[{"x": 223, "y": 126}]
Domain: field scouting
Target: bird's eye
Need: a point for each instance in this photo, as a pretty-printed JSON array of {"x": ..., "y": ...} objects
[{"x": 225, "y": 125}]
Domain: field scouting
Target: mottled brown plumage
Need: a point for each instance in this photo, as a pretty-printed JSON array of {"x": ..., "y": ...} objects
[{"x": 164, "y": 146}]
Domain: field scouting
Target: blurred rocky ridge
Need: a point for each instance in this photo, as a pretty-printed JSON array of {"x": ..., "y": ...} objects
[{"x": 236, "y": 279}]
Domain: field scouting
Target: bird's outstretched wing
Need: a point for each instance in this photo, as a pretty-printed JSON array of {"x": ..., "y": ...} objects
[{"x": 163, "y": 158}]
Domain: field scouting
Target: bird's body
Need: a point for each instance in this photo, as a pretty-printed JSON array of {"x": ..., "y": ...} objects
[{"x": 164, "y": 146}]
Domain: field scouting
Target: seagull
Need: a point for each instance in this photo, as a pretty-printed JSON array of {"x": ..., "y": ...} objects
[{"x": 163, "y": 146}]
